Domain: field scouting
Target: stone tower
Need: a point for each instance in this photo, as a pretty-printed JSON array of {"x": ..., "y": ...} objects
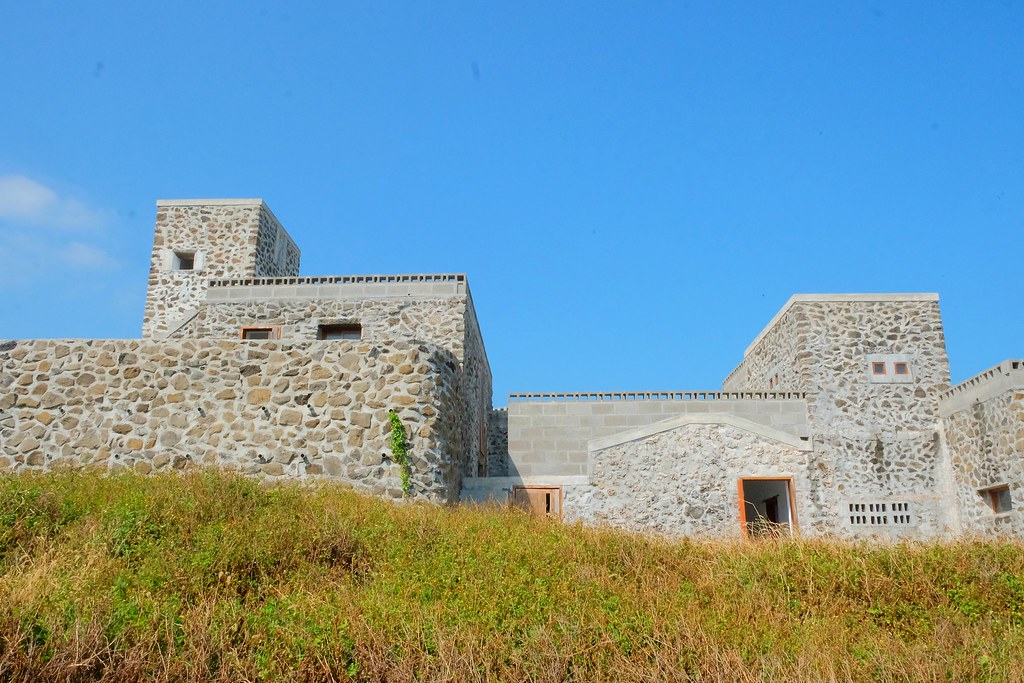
[{"x": 197, "y": 240}]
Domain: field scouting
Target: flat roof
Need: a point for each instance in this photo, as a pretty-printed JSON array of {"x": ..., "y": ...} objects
[{"x": 812, "y": 298}]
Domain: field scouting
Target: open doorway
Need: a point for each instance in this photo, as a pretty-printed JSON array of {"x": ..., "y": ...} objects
[{"x": 766, "y": 507}]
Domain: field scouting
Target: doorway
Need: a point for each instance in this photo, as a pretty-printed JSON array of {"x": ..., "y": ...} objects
[
  {"x": 766, "y": 507},
  {"x": 539, "y": 500}
]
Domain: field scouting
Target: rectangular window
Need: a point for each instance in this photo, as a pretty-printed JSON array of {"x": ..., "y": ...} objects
[
  {"x": 341, "y": 331},
  {"x": 878, "y": 368},
  {"x": 901, "y": 368},
  {"x": 261, "y": 333},
  {"x": 998, "y": 498},
  {"x": 184, "y": 260}
]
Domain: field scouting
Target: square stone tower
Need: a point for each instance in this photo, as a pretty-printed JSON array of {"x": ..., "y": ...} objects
[{"x": 197, "y": 240}]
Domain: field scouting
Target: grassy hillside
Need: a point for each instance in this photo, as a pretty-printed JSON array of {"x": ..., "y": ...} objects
[{"x": 210, "y": 577}]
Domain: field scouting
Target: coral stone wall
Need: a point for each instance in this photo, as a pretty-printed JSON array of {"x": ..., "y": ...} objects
[
  {"x": 230, "y": 239},
  {"x": 268, "y": 409},
  {"x": 683, "y": 482},
  {"x": 874, "y": 443},
  {"x": 983, "y": 427},
  {"x": 774, "y": 354}
]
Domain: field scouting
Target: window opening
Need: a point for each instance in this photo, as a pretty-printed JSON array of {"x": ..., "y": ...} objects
[
  {"x": 340, "y": 331},
  {"x": 878, "y": 368},
  {"x": 184, "y": 260},
  {"x": 261, "y": 333},
  {"x": 901, "y": 368},
  {"x": 998, "y": 498}
]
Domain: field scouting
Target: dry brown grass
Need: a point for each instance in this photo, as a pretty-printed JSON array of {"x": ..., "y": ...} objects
[{"x": 209, "y": 577}]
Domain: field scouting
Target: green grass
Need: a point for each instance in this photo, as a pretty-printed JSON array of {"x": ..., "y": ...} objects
[{"x": 212, "y": 577}]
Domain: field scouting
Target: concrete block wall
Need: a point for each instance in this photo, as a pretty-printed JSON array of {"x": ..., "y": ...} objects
[{"x": 550, "y": 437}]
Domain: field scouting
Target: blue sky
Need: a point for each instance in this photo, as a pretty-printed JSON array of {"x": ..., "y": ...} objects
[{"x": 633, "y": 188}]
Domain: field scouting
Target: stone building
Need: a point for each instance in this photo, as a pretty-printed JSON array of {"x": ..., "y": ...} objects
[{"x": 839, "y": 420}]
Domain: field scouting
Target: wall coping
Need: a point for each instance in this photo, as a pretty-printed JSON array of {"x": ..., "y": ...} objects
[
  {"x": 707, "y": 418},
  {"x": 210, "y": 202},
  {"x": 429, "y": 278},
  {"x": 485, "y": 483},
  {"x": 835, "y": 298},
  {"x": 657, "y": 396},
  {"x": 985, "y": 385}
]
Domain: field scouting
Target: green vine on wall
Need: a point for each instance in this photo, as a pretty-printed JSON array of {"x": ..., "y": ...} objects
[{"x": 399, "y": 450}]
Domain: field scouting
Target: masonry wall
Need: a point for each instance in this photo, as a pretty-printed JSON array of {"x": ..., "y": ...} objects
[
  {"x": 874, "y": 443},
  {"x": 438, "y": 321},
  {"x": 276, "y": 254},
  {"x": 268, "y": 409},
  {"x": 774, "y": 354},
  {"x": 440, "y": 313},
  {"x": 497, "y": 443},
  {"x": 683, "y": 482},
  {"x": 983, "y": 425},
  {"x": 230, "y": 238},
  {"x": 550, "y": 437},
  {"x": 477, "y": 390}
]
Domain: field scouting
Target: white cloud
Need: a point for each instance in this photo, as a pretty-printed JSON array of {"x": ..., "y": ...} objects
[
  {"x": 26, "y": 201},
  {"x": 35, "y": 244},
  {"x": 79, "y": 255}
]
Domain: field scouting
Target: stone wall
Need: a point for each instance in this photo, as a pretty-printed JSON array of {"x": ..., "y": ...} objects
[
  {"x": 299, "y": 309},
  {"x": 773, "y": 354},
  {"x": 276, "y": 254},
  {"x": 983, "y": 424},
  {"x": 477, "y": 390},
  {"x": 684, "y": 481},
  {"x": 497, "y": 443},
  {"x": 230, "y": 238},
  {"x": 438, "y": 321},
  {"x": 268, "y": 409},
  {"x": 875, "y": 443},
  {"x": 549, "y": 437}
]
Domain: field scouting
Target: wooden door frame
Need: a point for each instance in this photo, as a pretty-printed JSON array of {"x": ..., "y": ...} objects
[
  {"x": 527, "y": 487},
  {"x": 791, "y": 490}
]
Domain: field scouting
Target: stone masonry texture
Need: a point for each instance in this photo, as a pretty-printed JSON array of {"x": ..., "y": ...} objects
[{"x": 268, "y": 409}]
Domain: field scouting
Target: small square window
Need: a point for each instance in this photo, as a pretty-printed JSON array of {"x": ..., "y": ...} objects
[
  {"x": 901, "y": 368},
  {"x": 184, "y": 260},
  {"x": 998, "y": 499},
  {"x": 345, "y": 331},
  {"x": 878, "y": 368},
  {"x": 255, "y": 333}
]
